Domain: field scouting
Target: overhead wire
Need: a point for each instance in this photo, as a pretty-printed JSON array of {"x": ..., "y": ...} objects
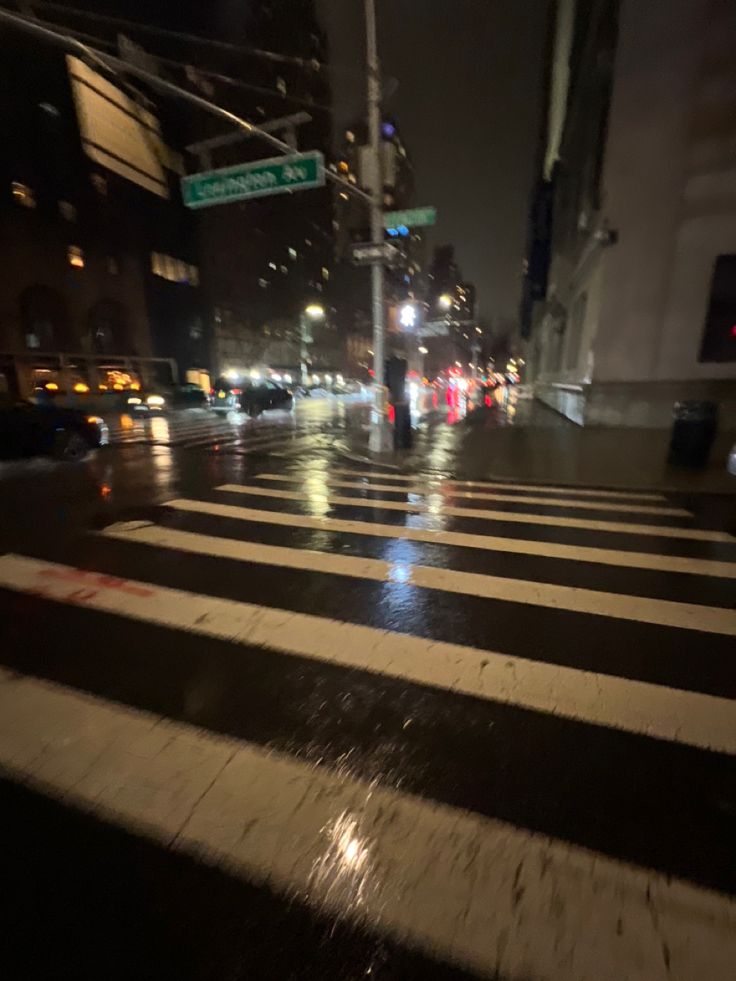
[
  {"x": 273, "y": 56},
  {"x": 118, "y": 68},
  {"x": 205, "y": 72}
]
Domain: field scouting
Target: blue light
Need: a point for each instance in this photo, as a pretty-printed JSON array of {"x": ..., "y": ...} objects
[
  {"x": 403, "y": 230},
  {"x": 393, "y": 232},
  {"x": 388, "y": 130}
]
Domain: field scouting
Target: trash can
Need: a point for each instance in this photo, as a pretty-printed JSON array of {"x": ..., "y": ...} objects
[
  {"x": 402, "y": 426},
  {"x": 693, "y": 432}
]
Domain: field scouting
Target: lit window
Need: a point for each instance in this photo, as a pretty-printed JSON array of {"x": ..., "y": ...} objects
[
  {"x": 343, "y": 195},
  {"x": 308, "y": 241},
  {"x": 344, "y": 166},
  {"x": 169, "y": 265},
  {"x": 272, "y": 265},
  {"x": 325, "y": 273},
  {"x": 263, "y": 283},
  {"x": 281, "y": 85},
  {"x": 23, "y": 194},
  {"x": 292, "y": 253},
  {"x": 350, "y": 136},
  {"x": 284, "y": 270},
  {"x": 193, "y": 276},
  {"x": 75, "y": 256},
  {"x": 67, "y": 210},
  {"x": 157, "y": 265},
  {"x": 352, "y": 178}
]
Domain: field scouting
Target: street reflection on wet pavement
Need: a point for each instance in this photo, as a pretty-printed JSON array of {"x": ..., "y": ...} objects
[{"x": 273, "y": 709}]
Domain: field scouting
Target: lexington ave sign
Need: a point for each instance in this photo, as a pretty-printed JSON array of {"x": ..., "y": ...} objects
[{"x": 280, "y": 175}]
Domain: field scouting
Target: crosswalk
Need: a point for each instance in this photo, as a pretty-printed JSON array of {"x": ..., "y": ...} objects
[
  {"x": 492, "y": 724},
  {"x": 201, "y": 430}
]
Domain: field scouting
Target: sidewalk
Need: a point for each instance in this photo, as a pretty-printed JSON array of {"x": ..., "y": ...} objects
[{"x": 530, "y": 442}]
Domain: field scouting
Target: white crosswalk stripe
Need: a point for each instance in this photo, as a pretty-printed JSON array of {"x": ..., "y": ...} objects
[
  {"x": 699, "y": 720},
  {"x": 501, "y": 485},
  {"x": 484, "y": 514},
  {"x": 338, "y": 842},
  {"x": 576, "y": 553},
  {"x": 198, "y": 433},
  {"x": 444, "y": 493},
  {"x": 664, "y": 612},
  {"x": 601, "y": 654}
]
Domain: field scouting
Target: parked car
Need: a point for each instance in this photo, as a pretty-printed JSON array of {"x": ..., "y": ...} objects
[
  {"x": 250, "y": 396},
  {"x": 29, "y": 430},
  {"x": 156, "y": 398},
  {"x": 189, "y": 397},
  {"x": 140, "y": 401}
]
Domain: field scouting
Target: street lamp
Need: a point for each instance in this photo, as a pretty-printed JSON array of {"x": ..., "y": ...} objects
[
  {"x": 313, "y": 312},
  {"x": 445, "y": 301}
]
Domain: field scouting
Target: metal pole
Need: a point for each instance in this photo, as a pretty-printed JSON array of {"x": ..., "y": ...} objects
[
  {"x": 303, "y": 348},
  {"x": 379, "y": 440}
]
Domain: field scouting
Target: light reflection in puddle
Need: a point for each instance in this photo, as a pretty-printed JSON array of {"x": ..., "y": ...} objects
[
  {"x": 344, "y": 875},
  {"x": 159, "y": 428}
]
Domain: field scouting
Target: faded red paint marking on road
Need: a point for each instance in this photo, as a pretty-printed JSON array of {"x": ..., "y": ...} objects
[{"x": 96, "y": 581}]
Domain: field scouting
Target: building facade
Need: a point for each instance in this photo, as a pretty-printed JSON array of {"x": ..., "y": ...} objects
[
  {"x": 98, "y": 278},
  {"x": 265, "y": 260},
  {"x": 630, "y": 301}
]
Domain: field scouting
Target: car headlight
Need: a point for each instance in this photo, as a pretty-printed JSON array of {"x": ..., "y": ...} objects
[
  {"x": 157, "y": 400},
  {"x": 134, "y": 400}
]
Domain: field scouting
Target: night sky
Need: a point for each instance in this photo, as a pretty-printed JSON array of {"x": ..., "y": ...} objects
[{"x": 467, "y": 105}]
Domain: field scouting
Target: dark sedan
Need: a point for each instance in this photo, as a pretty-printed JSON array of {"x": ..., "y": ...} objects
[
  {"x": 250, "y": 396},
  {"x": 29, "y": 430}
]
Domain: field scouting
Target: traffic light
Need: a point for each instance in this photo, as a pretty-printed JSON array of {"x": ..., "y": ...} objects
[
  {"x": 396, "y": 379},
  {"x": 719, "y": 334}
]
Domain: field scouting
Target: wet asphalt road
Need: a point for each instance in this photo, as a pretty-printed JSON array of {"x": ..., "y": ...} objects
[{"x": 271, "y": 711}]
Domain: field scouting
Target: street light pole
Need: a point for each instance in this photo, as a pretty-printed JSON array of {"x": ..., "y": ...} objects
[
  {"x": 379, "y": 440},
  {"x": 303, "y": 347},
  {"x": 309, "y": 315}
]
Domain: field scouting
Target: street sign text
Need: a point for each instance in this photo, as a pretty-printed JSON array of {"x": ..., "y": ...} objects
[
  {"x": 369, "y": 253},
  {"x": 280, "y": 175},
  {"x": 412, "y": 218}
]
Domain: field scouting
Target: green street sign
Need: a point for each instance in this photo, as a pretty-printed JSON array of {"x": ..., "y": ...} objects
[
  {"x": 412, "y": 218},
  {"x": 281, "y": 175}
]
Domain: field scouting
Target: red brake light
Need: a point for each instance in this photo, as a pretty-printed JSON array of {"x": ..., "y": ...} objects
[{"x": 235, "y": 391}]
